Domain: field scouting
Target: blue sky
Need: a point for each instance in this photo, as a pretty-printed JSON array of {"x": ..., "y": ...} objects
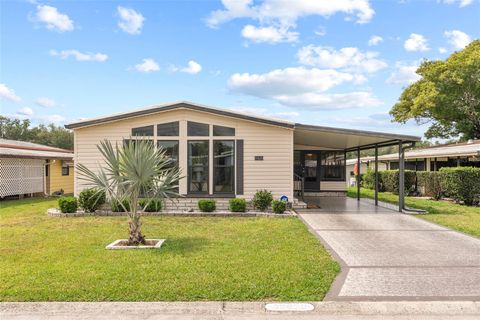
[{"x": 335, "y": 63}]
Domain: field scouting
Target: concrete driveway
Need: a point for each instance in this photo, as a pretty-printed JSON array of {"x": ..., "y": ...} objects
[{"x": 386, "y": 255}]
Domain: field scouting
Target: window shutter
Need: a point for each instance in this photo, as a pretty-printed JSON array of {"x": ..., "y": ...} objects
[{"x": 239, "y": 160}]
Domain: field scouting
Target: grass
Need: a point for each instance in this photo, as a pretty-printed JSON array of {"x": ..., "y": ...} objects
[
  {"x": 46, "y": 258},
  {"x": 455, "y": 216}
]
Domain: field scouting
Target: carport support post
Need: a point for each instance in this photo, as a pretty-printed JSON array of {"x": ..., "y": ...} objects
[
  {"x": 401, "y": 176},
  {"x": 358, "y": 174},
  {"x": 376, "y": 175}
]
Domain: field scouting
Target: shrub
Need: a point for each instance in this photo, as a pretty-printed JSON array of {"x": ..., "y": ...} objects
[
  {"x": 389, "y": 181},
  {"x": 279, "y": 206},
  {"x": 68, "y": 204},
  {"x": 151, "y": 205},
  {"x": 430, "y": 182},
  {"x": 461, "y": 183},
  {"x": 262, "y": 200},
  {"x": 207, "y": 205},
  {"x": 368, "y": 179},
  {"x": 117, "y": 207},
  {"x": 237, "y": 205},
  {"x": 91, "y": 199}
]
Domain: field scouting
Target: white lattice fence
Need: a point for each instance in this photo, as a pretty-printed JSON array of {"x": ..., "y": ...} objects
[{"x": 21, "y": 176}]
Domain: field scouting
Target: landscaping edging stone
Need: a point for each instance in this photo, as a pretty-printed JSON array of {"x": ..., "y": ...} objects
[
  {"x": 53, "y": 212},
  {"x": 116, "y": 245}
]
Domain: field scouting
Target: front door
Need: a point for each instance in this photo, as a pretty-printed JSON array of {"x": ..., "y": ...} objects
[{"x": 311, "y": 172}]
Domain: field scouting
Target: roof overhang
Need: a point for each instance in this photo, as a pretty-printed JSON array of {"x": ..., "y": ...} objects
[{"x": 346, "y": 139}]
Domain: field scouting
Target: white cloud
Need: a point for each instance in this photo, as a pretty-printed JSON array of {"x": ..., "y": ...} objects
[
  {"x": 263, "y": 112},
  {"x": 461, "y": 3},
  {"x": 301, "y": 87},
  {"x": 287, "y": 12},
  {"x": 51, "y": 118},
  {"x": 53, "y": 19},
  {"x": 458, "y": 39},
  {"x": 321, "y": 31},
  {"x": 46, "y": 102},
  {"x": 79, "y": 56},
  {"x": 345, "y": 58},
  {"x": 26, "y": 111},
  {"x": 375, "y": 40},
  {"x": 416, "y": 42},
  {"x": 442, "y": 50},
  {"x": 192, "y": 68},
  {"x": 131, "y": 21},
  {"x": 8, "y": 94},
  {"x": 404, "y": 74},
  {"x": 147, "y": 65},
  {"x": 269, "y": 34}
]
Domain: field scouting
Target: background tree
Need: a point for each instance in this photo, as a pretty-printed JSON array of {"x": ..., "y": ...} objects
[
  {"x": 49, "y": 135},
  {"x": 447, "y": 96}
]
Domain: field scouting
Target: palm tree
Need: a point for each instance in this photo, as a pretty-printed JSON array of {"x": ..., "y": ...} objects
[{"x": 137, "y": 169}]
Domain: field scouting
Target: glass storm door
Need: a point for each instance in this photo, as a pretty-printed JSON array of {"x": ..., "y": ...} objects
[{"x": 310, "y": 170}]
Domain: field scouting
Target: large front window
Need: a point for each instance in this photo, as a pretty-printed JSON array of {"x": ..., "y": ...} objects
[
  {"x": 333, "y": 165},
  {"x": 170, "y": 147},
  {"x": 224, "y": 166},
  {"x": 198, "y": 166}
]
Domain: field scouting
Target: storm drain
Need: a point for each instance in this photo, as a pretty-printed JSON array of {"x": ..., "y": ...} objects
[{"x": 299, "y": 307}]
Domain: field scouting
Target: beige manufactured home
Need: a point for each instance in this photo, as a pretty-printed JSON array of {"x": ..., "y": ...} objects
[{"x": 222, "y": 153}]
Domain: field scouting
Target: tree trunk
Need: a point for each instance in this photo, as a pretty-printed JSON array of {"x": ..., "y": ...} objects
[{"x": 136, "y": 238}]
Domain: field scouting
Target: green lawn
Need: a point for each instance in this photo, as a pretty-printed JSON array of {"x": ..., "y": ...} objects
[
  {"x": 456, "y": 216},
  {"x": 46, "y": 258}
]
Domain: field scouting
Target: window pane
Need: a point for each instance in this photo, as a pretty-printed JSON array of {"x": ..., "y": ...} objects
[
  {"x": 224, "y": 166},
  {"x": 127, "y": 141},
  {"x": 223, "y": 131},
  {"x": 168, "y": 129},
  {"x": 198, "y": 166},
  {"x": 197, "y": 129},
  {"x": 171, "y": 150},
  {"x": 333, "y": 165},
  {"x": 142, "y": 131}
]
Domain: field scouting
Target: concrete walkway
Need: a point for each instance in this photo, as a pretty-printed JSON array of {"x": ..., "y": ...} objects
[
  {"x": 237, "y": 310},
  {"x": 386, "y": 255}
]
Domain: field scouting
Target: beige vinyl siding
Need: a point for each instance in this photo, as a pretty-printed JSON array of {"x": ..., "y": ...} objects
[
  {"x": 332, "y": 186},
  {"x": 274, "y": 143}
]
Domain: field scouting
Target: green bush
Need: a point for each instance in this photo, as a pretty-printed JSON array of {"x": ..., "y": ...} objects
[
  {"x": 262, "y": 200},
  {"x": 279, "y": 206},
  {"x": 151, "y": 205},
  {"x": 116, "y": 207},
  {"x": 237, "y": 205},
  {"x": 91, "y": 199},
  {"x": 368, "y": 179},
  {"x": 430, "y": 182},
  {"x": 207, "y": 205},
  {"x": 68, "y": 204},
  {"x": 389, "y": 181},
  {"x": 461, "y": 183}
]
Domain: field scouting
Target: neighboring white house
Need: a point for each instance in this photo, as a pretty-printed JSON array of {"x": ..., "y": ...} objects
[
  {"x": 464, "y": 154},
  {"x": 30, "y": 168},
  {"x": 223, "y": 153}
]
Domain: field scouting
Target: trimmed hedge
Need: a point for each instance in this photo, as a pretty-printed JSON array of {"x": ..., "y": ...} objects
[
  {"x": 262, "y": 200},
  {"x": 91, "y": 199},
  {"x": 153, "y": 205},
  {"x": 368, "y": 179},
  {"x": 68, "y": 204},
  {"x": 461, "y": 183},
  {"x": 207, "y": 205},
  {"x": 431, "y": 184},
  {"x": 117, "y": 207},
  {"x": 279, "y": 206},
  {"x": 237, "y": 205},
  {"x": 389, "y": 181}
]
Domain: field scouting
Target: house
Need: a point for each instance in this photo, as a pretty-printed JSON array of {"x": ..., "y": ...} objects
[
  {"x": 224, "y": 153},
  {"x": 31, "y": 169},
  {"x": 464, "y": 154}
]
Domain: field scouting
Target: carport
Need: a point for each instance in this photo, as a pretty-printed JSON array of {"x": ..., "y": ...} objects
[{"x": 348, "y": 140}]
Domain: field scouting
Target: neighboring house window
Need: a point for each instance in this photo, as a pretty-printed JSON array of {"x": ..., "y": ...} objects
[
  {"x": 171, "y": 150},
  {"x": 332, "y": 165},
  {"x": 223, "y": 131},
  {"x": 168, "y": 129},
  {"x": 143, "y": 131},
  {"x": 223, "y": 166},
  {"x": 65, "y": 170},
  {"x": 197, "y": 129},
  {"x": 198, "y": 166}
]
